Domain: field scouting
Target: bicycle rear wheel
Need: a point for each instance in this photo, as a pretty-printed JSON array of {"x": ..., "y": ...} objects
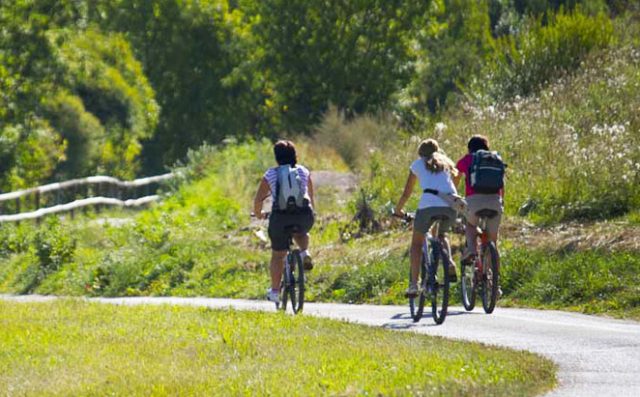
[
  {"x": 468, "y": 284},
  {"x": 285, "y": 289},
  {"x": 296, "y": 289},
  {"x": 490, "y": 277},
  {"x": 416, "y": 303},
  {"x": 439, "y": 283}
]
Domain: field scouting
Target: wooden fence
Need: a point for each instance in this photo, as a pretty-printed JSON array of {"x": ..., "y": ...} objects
[{"x": 68, "y": 196}]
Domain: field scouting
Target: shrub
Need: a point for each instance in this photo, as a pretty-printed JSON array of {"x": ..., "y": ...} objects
[{"x": 525, "y": 62}]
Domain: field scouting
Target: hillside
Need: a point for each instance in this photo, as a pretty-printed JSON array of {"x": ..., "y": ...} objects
[{"x": 570, "y": 133}]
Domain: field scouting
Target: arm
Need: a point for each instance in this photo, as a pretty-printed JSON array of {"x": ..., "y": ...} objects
[
  {"x": 311, "y": 193},
  {"x": 408, "y": 189},
  {"x": 456, "y": 178},
  {"x": 263, "y": 192}
]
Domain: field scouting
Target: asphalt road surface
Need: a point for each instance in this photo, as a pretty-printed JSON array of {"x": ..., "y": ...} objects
[{"x": 596, "y": 356}]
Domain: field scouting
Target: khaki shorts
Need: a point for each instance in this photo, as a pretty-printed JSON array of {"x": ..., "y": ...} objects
[
  {"x": 477, "y": 202},
  {"x": 424, "y": 219}
]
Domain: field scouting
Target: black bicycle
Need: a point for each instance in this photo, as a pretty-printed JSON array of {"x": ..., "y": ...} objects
[
  {"x": 433, "y": 282},
  {"x": 482, "y": 272},
  {"x": 292, "y": 284}
]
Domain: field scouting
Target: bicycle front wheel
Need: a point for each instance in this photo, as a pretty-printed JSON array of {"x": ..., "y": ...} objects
[
  {"x": 296, "y": 290},
  {"x": 439, "y": 283},
  {"x": 491, "y": 276}
]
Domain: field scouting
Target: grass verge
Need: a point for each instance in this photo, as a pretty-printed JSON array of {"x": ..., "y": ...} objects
[{"x": 72, "y": 347}]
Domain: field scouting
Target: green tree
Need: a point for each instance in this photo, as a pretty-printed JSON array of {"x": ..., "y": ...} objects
[
  {"x": 352, "y": 54},
  {"x": 449, "y": 52},
  {"x": 190, "y": 51}
]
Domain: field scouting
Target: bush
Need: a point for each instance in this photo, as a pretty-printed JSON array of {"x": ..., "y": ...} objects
[
  {"x": 53, "y": 246},
  {"x": 525, "y": 62},
  {"x": 594, "y": 281}
]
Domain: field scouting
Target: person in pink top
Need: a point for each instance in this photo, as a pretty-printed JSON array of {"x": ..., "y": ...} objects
[{"x": 477, "y": 201}]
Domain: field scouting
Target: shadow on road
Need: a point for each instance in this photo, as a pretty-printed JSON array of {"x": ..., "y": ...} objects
[{"x": 408, "y": 323}]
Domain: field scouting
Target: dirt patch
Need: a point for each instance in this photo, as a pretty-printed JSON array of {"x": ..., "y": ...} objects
[{"x": 342, "y": 181}]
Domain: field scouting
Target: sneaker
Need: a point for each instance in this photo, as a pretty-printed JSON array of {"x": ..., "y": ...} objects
[
  {"x": 453, "y": 277},
  {"x": 307, "y": 262},
  {"x": 412, "y": 291},
  {"x": 273, "y": 296}
]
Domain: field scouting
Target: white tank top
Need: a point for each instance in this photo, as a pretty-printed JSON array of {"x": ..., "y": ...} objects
[{"x": 440, "y": 181}]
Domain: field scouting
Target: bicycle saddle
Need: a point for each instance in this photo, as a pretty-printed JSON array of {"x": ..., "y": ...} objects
[{"x": 487, "y": 213}]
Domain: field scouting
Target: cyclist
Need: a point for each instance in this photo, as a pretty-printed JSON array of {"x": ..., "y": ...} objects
[
  {"x": 299, "y": 215},
  {"x": 434, "y": 171},
  {"x": 477, "y": 201}
]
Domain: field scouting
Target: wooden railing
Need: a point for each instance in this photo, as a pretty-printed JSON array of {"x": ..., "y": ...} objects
[{"x": 68, "y": 196}]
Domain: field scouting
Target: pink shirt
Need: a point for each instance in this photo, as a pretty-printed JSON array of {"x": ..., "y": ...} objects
[{"x": 463, "y": 166}]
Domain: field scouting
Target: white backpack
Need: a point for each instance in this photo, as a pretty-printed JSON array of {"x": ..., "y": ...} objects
[{"x": 289, "y": 194}]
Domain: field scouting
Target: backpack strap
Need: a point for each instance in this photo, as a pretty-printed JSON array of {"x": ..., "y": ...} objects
[{"x": 431, "y": 191}]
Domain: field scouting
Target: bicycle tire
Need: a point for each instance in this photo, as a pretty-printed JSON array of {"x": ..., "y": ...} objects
[
  {"x": 491, "y": 276},
  {"x": 468, "y": 285},
  {"x": 416, "y": 303},
  {"x": 284, "y": 288},
  {"x": 296, "y": 290},
  {"x": 439, "y": 289}
]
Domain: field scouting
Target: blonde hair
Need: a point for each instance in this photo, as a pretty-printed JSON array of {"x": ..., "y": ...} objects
[{"x": 434, "y": 159}]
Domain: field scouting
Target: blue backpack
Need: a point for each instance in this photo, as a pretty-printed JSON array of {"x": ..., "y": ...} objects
[{"x": 486, "y": 174}]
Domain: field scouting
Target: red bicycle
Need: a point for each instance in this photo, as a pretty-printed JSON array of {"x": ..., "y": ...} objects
[{"x": 482, "y": 271}]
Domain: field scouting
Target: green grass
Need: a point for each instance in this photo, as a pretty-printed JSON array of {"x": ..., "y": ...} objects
[
  {"x": 72, "y": 347},
  {"x": 596, "y": 282}
]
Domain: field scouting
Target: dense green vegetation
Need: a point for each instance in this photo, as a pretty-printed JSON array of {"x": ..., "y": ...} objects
[
  {"x": 128, "y": 86},
  {"x": 199, "y": 242},
  {"x": 554, "y": 85},
  {"x": 592, "y": 282},
  {"x": 76, "y": 348}
]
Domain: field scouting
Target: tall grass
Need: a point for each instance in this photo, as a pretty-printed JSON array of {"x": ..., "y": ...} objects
[{"x": 573, "y": 151}]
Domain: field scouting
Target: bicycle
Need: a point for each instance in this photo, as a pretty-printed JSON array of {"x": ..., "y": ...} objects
[
  {"x": 433, "y": 277},
  {"x": 291, "y": 286},
  {"x": 481, "y": 271}
]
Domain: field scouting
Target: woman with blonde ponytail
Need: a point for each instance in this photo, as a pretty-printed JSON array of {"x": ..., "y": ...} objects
[{"x": 435, "y": 172}]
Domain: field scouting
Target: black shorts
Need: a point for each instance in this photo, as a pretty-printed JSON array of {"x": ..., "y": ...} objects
[{"x": 283, "y": 225}]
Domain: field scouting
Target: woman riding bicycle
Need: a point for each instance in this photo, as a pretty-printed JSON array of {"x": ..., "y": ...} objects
[
  {"x": 478, "y": 201},
  {"x": 290, "y": 217},
  {"x": 434, "y": 171}
]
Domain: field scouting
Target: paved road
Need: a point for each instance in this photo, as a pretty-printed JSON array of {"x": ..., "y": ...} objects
[{"x": 596, "y": 356}]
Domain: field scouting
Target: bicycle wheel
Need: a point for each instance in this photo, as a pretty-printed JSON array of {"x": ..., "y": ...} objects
[
  {"x": 296, "y": 289},
  {"x": 468, "y": 284},
  {"x": 491, "y": 277},
  {"x": 416, "y": 303},
  {"x": 439, "y": 283},
  {"x": 285, "y": 285}
]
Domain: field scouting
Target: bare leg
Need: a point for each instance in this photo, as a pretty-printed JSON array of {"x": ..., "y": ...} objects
[
  {"x": 277, "y": 266},
  {"x": 417, "y": 241},
  {"x": 302, "y": 240},
  {"x": 471, "y": 234}
]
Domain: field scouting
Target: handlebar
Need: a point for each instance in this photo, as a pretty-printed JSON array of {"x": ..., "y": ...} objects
[
  {"x": 263, "y": 215},
  {"x": 406, "y": 216}
]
